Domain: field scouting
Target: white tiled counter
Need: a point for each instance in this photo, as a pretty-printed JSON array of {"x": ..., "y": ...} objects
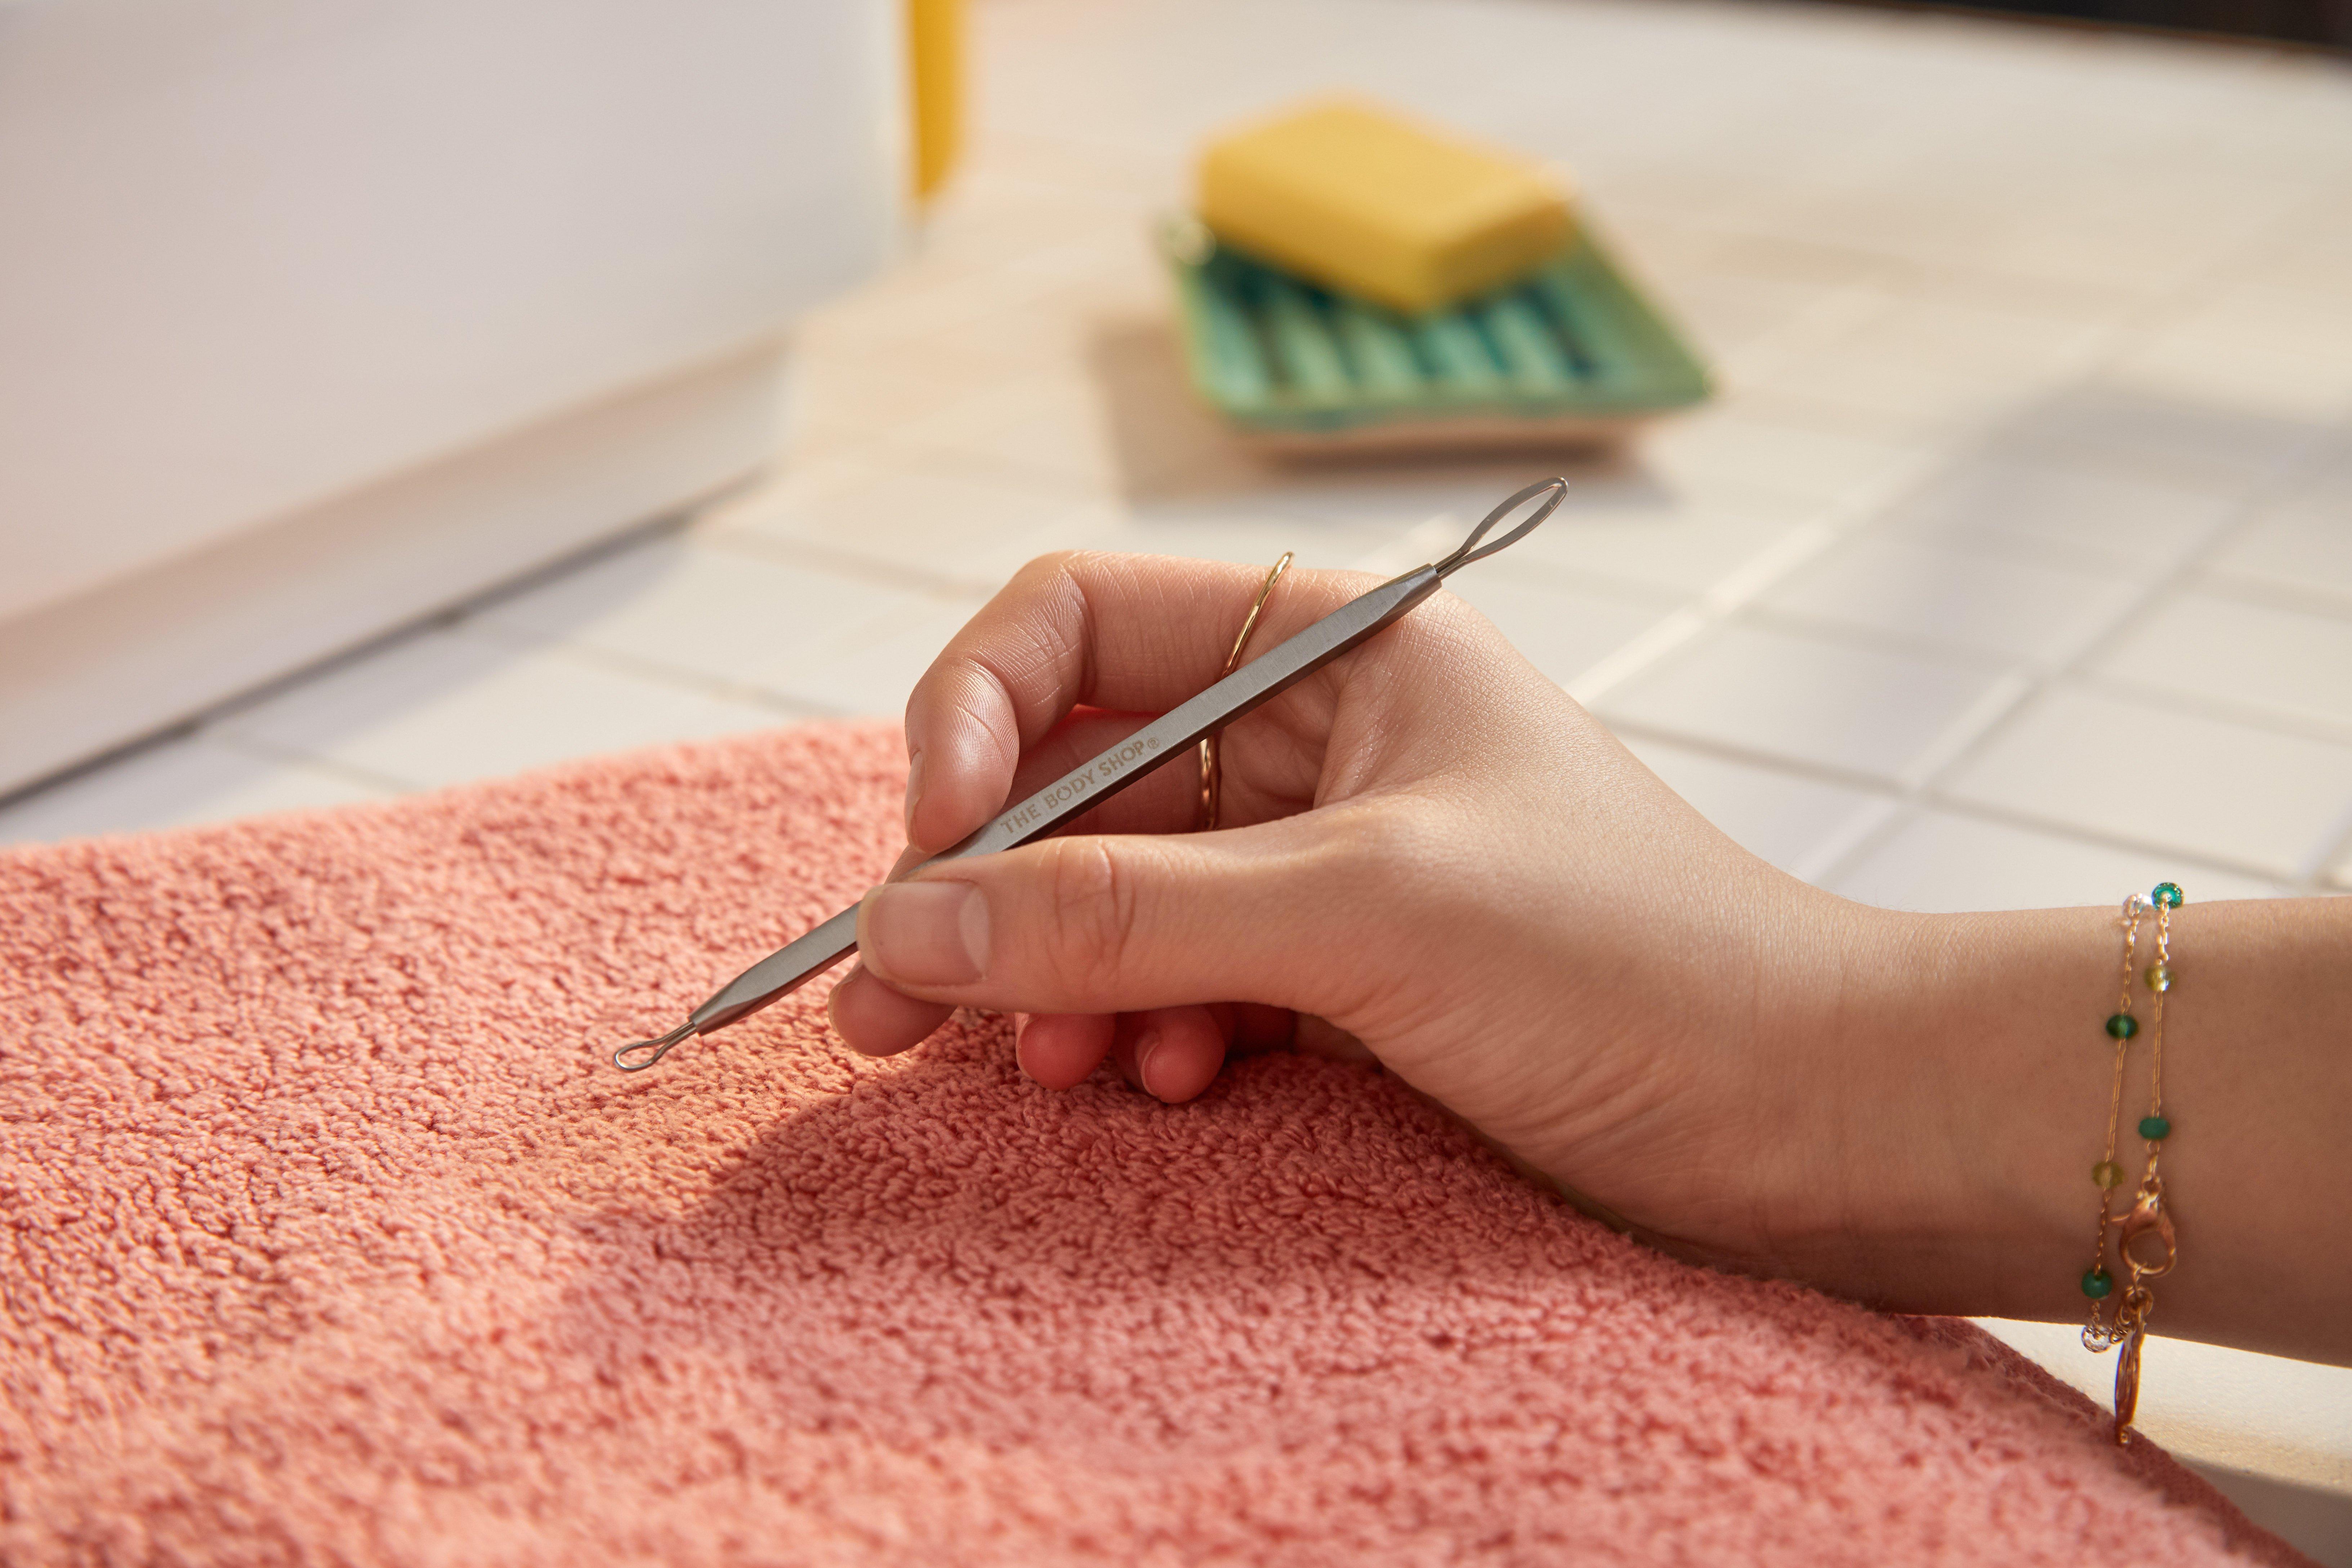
[{"x": 2033, "y": 457}]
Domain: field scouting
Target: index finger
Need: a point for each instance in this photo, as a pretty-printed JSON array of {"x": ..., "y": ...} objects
[{"x": 1127, "y": 633}]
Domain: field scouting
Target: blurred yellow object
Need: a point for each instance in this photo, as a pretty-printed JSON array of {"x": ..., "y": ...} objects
[
  {"x": 935, "y": 82},
  {"x": 1351, "y": 196}
]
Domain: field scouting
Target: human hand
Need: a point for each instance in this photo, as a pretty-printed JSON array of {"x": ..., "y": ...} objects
[
  {"x": 1426, "y": 851},
  {"x": 1429, "y": 854}
]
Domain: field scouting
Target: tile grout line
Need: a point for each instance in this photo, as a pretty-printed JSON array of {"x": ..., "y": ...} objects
[
  {"x": 2223, "y": 710},
  {"x": 1730, "y": 594},
  {"x": 678, "y": 677},
  {"x": 2309, "y": 462},
  {"x": 690, "y": 681},
  {"x": 1736, "y": 600},
  {"x": 739, "y": 540},
  {"x": 1802, "y": 768},
  {"x": 262, "y": 751},
  {"x": 1931, "y": 788},
  {"x": 91, "y": 768},
  {"x": 1902, "y": 807},
  {"x": 2007, "y": 818},
  {"x": 1935, "y": 789},
  {"x": 1882, "y": 639},
  {"x": 1802, "y": 623},
  {"x": 1867, "y": 825},
  {"x": 2052, "y": 554},
  {"x": 2219, "y": 582},
  {"x": 2319, "y": 871},
  {"x": 466, "y": 619},
  {"x": 1856, "y": 518}
]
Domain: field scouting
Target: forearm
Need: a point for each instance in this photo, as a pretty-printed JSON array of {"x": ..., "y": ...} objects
[{"x": 1974, "y": 1192}]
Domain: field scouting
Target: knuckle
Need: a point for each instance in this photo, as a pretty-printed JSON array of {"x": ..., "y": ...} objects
[
  {"x": 1093, "y": 902},
  {"x": 1057, "y": 570},
  {"x": 1390, "y": 848},
  {"x": 1456, "y": 627},
  {"x": 1043, "y": 568},
  {"x": 1396, "y": 868}
]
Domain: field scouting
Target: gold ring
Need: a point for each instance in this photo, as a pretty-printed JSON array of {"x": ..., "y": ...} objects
[{"x": 1212, "y": 773}]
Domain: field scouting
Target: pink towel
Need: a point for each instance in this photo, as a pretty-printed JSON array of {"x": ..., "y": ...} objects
[{"x": 330, "y": 1237}]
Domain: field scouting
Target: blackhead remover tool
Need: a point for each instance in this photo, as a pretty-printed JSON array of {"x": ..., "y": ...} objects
[{"x": 1174, "y": 734}]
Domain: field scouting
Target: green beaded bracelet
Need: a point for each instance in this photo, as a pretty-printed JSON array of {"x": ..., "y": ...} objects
[{"x": 2149, "y": 1219}]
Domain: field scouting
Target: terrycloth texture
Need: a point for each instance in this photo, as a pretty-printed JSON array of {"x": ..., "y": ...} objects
[{"x": 330, "y": 1236}]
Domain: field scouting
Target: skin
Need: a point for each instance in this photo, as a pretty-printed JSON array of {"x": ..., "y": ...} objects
[{"x": 1429, "y": 854}]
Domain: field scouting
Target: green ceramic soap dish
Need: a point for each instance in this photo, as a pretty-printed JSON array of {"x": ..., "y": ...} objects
[{"x": 1572, "y": 353}]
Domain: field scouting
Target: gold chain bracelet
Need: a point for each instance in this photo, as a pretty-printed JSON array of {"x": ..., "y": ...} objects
[{"x": 2145, "y": 1242}]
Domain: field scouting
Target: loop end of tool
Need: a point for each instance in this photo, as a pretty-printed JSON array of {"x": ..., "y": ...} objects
[
  {"x": 639, "y": 1055},
  {"x": 1553, "y": 491}
]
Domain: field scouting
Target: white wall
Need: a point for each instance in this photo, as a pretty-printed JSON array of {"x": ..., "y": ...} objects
[{"x": 255, "y": 254}]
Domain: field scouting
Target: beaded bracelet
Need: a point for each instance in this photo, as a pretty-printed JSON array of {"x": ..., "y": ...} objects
[{"x": 2149, "y": 1218}]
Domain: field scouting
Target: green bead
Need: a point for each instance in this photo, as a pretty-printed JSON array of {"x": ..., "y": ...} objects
[
  {"x": 2108, "y": 1174},
  {"x": 2155, "y": 1129},
  {"x": 2167, "y": 894},
  {"x": 2123, "y": 1026},
  {"x": 2097, "y": 1283},
  {"x": 2159, "y": 977}
]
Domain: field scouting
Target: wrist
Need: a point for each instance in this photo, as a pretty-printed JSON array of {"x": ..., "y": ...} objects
[{"x": 1946, "y": 1108}]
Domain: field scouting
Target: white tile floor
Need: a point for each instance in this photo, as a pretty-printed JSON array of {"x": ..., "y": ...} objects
[
  {"x": 2299, "y": 549},
  {"x": 2025, "y": 613},
  {"x": 2217, "y": 648},
  {"x": 2033, "y": 469},
  {"x": 450, "y": 705},
  {"x": 2234, "y": 795},
  {"x": 2122, "y": 525}
]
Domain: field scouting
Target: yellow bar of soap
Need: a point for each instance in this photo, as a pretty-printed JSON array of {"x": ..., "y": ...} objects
[{"x": 1355, "y": 197}]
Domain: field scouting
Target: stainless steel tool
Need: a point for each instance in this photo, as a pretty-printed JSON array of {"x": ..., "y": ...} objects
[{"x": 1174, "y": 734}]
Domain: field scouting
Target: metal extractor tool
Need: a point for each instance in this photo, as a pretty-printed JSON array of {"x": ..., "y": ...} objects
[{"x": 1174, "y": 734}]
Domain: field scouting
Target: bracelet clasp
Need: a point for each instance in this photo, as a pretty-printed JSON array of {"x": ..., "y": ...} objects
[{"x": 2148, "y": 1217}]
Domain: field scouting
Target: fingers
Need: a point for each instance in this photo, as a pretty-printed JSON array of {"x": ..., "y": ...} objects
[
  {"x": 1060, "y": 1050},
  {"x": 1268, "y": 914},
  {"x": 876, "y": 1021},
  {"x": 1166, "y": 800},
  {"x": 1077, "y": 931},
  {"x": 1171, "y": 1052},
  {"x": 1133, "y": 633}
]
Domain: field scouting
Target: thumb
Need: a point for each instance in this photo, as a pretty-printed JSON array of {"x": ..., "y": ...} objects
[{"x": 1117, "y": 924}]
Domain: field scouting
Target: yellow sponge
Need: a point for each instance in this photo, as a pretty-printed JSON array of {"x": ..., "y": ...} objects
[{"x": 1354, "y": 196}]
